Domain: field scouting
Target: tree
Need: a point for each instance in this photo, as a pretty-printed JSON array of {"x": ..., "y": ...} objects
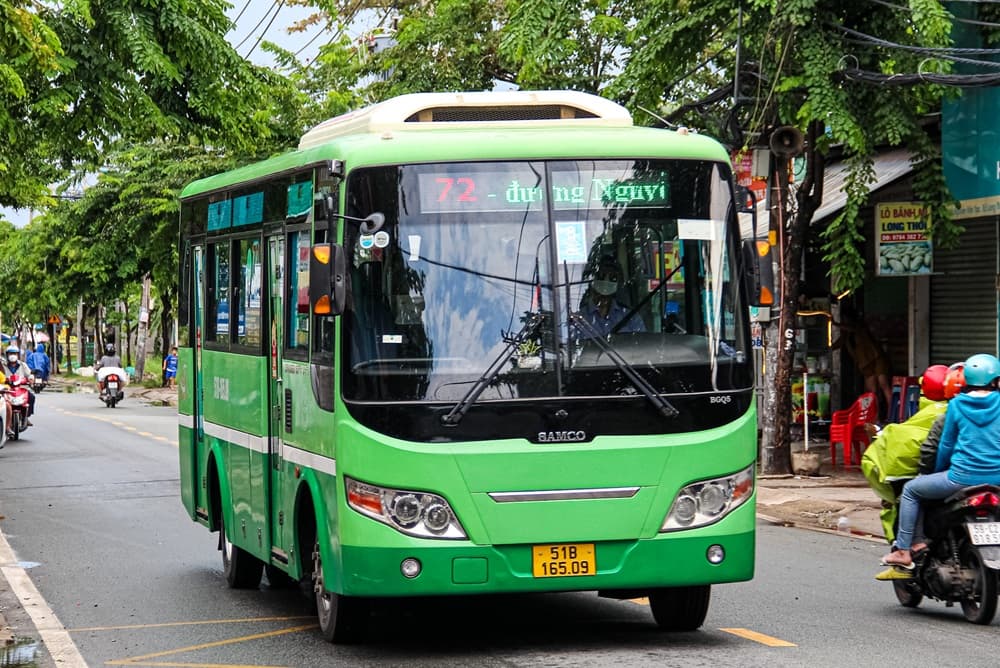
[
  {"x": 813, "y": 64},
  {"x": 78, "y": 77}
]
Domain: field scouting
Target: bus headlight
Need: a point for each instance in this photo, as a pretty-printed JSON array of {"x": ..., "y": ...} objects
[
  {"x": 708, "y": 501},
  {"x": 420, "y": 514}
]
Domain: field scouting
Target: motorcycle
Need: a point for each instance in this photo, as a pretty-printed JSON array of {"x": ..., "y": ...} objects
[
  {"x": 19, "y": 398},
  {"x": 962, "y": 558},
  {"x": 39, "y": 383},
  {"x": 112, "y": 380}
]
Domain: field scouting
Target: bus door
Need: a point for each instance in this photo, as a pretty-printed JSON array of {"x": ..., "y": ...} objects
[
  {"x": 196, "y": 384},
  {"x": 276, "y": 342}
]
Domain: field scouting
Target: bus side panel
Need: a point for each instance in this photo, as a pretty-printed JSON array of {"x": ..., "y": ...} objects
[
  {"x": 236, "y": 421},
  {"x": 192, "y": 494},
  {"x": 308, "y": 432}
]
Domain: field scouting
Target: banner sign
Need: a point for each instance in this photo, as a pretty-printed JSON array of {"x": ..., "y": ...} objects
[{"x": 901, "y": 242}]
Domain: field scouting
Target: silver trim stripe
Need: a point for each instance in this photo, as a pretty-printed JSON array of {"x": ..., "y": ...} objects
[
  {"x": 259, "y": 444},
  {"x": 249, "y": 441},
  {"x": 310, "y": 460},
  {"x": 565, "y": 494}
]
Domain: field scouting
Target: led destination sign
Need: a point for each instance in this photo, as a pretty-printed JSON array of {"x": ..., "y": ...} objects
[{"x": 518, "y": 189}]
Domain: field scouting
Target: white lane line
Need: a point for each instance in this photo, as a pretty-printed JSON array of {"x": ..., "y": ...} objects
[{"x": 53, "y": 633}]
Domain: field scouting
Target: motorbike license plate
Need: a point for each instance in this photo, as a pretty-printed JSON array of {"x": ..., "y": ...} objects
[
  {"x": 113, "y": 385},
  {"x": 564, "y": 560},
  {"x": 984, "y": 533}
]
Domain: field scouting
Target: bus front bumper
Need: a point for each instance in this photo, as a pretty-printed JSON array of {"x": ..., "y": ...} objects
[{"x": 668, "y": 560}]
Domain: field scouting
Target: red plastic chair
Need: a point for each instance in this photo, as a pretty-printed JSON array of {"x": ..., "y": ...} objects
[{"x": 847, "y": 428}]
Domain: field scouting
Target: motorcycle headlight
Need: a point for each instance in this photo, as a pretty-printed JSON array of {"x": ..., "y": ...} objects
[
  {"x": 708, "y": 501},
  {"x": 420, "y": 514}
]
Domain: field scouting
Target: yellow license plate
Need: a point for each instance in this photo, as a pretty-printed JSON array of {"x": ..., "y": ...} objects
[{"x": 564, "y": 560}]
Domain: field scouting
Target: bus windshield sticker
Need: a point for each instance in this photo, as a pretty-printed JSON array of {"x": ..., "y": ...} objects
[
  {"x": 700, "y": 229},
  {"x": 366, "y": 241},
  {"x": 381, "y": 239},
  {"x": 571, "y": 241},
  {"x": 392, "y": 338},
  {"x": 414, "y": 247}
]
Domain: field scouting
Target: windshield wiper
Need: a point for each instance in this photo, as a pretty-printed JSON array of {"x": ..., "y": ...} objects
[
  {"x": 529, "y": 329},
  {"x": 662, "y": 405}
]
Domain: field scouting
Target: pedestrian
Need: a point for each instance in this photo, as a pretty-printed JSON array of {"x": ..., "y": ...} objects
[
  {"x": 170, "y": 367},
  {"x": 869, "y": 357}
]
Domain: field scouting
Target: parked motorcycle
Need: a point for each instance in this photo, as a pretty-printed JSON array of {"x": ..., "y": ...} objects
[
  {"x": 38, "y": 384},
  {"x": 19, "y": 398},
  {"x": 112, "y": 380},
  {"x": 961, "y": 561}
]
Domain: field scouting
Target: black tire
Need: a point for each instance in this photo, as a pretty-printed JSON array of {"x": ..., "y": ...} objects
[
  {"x": 680, "y": 608},
  {"x": 983, "y": 606},
  {"x": 342, "y": 619},
  {"x": 242, "y": 569},
  {"x": 279, "y": 579},
  {"x": 907, "y": 593},
  {"x": 112, "y": 402},
  {"x": 15, "y": 428}
]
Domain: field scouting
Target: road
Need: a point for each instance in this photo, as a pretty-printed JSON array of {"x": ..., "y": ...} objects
[{"x": 94, "y": 520}]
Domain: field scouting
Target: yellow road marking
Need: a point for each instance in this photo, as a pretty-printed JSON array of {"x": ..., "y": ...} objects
[
  {"x": 190, "y": 665},
  {"x": 760, "y": 637},
  {"x": 191, "y": 623},
  {"x": 139, "y": 660},
  {"x": 145, "y": 433}
]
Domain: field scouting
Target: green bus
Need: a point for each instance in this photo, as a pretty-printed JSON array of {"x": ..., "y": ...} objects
[{"x": 469, "y": 343}]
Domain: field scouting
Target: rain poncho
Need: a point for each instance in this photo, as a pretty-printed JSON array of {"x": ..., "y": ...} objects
[{"x": 895, "y": 456}]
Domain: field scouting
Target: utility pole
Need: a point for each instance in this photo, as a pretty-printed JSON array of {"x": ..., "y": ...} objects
[{"x": 140, "y": 363}]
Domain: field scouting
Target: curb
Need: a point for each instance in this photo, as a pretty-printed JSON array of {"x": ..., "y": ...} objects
[{"x": 860, "y": 535}]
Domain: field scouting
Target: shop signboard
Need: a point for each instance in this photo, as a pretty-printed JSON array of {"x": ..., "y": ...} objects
[{"x": 901, "y": 241}]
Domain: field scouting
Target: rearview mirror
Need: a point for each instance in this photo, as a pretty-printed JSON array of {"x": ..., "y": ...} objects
[
  {"x": 327, "y": 279},
  {"x": 758, "y": 275}
]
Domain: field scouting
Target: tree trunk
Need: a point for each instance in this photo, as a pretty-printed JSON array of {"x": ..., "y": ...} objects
[{"x": 141, "y": 335}]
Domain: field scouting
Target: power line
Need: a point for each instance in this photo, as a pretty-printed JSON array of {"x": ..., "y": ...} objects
[
  {"x": 240, "y": 15},
  {"x": 952, "y": 80},
  {"x": 259, "y": 23},
  {"x": 269, "y": 24}
]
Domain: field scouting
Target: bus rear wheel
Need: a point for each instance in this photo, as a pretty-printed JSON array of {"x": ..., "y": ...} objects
[
  {"x": 342, "y": 619},
  {"x": 242, "y": 569},
  {"x": 680, "y": 608}
]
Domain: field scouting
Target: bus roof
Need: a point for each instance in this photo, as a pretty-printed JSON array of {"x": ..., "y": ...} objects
[{"x": 439, "y": 127}]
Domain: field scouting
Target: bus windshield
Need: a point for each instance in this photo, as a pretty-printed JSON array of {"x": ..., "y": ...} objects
[{"x": 543, "y": 279}]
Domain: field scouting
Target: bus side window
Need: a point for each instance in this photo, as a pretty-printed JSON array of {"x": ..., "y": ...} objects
[
  {"x": 297, "y": 301},
  {"x": 217, "y": 325}
]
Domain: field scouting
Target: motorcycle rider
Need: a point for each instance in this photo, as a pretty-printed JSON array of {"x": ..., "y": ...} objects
[
  {"x": 109, "y": 359},
  {"x": 893, "y": 457},
  {"x": 968, "y": 452},
  {"x": 39, "y": 361},
  {"x": 11, "y": 365}
]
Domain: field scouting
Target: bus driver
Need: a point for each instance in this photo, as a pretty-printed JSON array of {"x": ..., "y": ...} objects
[{"x": 601, "y": 307}]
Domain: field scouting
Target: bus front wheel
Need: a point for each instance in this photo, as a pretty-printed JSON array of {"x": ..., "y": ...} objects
[
  {"x": 680, "y": 608},
  {"x": 342, "y": 619}
]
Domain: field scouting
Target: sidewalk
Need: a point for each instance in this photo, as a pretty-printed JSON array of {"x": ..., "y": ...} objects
[
  {"x": 818, "y": 502},
  {"x": 157, "y": 396}
]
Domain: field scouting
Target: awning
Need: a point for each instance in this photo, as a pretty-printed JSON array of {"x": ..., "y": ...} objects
[{"x": 889, "y": 167}]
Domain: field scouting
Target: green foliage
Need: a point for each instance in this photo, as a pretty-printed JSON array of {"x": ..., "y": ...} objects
[{"x": 80, "y": 76}]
